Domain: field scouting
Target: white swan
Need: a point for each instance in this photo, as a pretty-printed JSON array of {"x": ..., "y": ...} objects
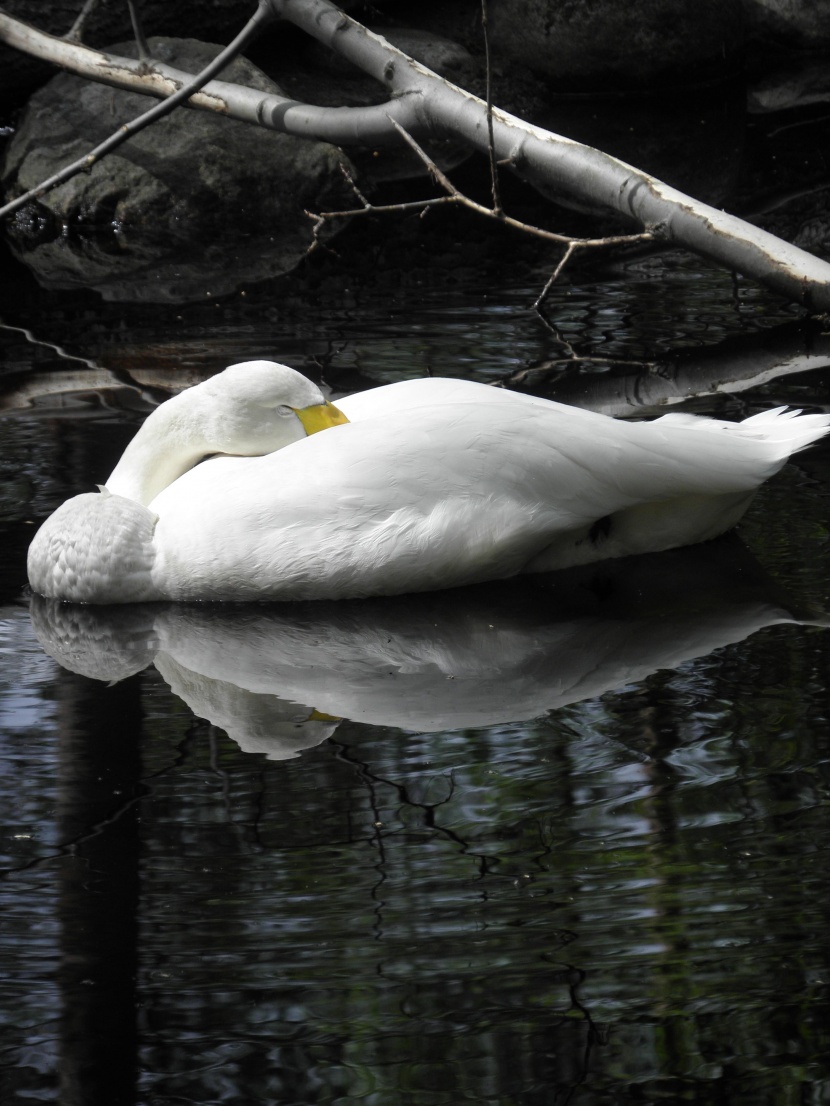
[{"x": 431, "y": 484}]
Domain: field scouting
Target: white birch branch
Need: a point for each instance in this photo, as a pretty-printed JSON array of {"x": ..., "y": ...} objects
[{"x": 425, "y": 104}]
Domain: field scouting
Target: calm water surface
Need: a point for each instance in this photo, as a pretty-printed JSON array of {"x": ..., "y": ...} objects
[{"x": 557, "y": 842}]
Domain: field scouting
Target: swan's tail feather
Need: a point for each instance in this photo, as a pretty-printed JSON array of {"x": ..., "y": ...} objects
[{"x": 786, "y": 427}]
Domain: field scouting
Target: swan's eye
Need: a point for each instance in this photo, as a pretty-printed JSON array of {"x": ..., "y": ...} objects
[{"x": 283, "y": 410}]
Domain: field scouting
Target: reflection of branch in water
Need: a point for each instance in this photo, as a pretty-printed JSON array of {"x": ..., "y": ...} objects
[
  {"x": 734, "y": 365},
  {"x": 74, "y": 844},
  {"x": 120, "y": 377},
  {"x": 561, "y": 367},
  {"x": 428, "y": 810},
  {"x": 570, "y": 363},
  {"x": 627, "y": 388},
  {"x": 573, "y": 977},
  {"x": 33, "y": 340},
  {"x": 546, "y": 840},
  {"x": 366, "y": 777},
  {"x": 802, "y": 122}
]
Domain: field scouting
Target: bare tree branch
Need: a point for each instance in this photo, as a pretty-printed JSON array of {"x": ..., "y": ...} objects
[
  {"x": 127, "y": 130},
  {"x": 422, "y": 103},
  {"x": 342, "y": 126}
]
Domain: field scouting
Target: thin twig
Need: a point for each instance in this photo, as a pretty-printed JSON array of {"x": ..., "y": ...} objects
[
  {"x": 320, "y": 218},
  {"x": 76, "y": 30},
  {"x": 367, "y": 208},
  {"x": 527, "y": 228},
  {"x": 494, "y": 172},
  {"x": 455, "y": 196},
  {"x": 261, "y": 16},
  {"x": 563, "y": 261},
  {"x": 352, "y": 183},
  {"x": 138, "y": 30}
]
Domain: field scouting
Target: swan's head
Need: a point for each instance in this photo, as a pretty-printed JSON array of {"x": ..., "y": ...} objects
[
  {"x": 257, "y": 407},
  {"x": 248, "y": 410}
]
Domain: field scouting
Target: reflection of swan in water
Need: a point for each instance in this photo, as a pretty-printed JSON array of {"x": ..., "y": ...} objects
[
  {"x": 278, "y": 679},
  {"x": 433, "y": 484}
]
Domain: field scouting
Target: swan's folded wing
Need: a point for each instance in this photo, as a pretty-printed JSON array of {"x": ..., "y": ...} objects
[
  {"x": 432, "y": 498},
  {"x": 390, "y": 505}
]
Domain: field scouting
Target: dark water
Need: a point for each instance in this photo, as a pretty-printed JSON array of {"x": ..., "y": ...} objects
[{"x": 558, "y": 842}]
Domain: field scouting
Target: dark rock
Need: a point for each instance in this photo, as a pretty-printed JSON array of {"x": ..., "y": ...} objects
[
  {"x": 791, "y": 24},
  {"x": 693, "y": 143},
  {"x": 191, "y": 168},
  {"x": 604, "y": 46},
  {"x": 150, "y": 268},
  {"x": 181, "y": 184}
]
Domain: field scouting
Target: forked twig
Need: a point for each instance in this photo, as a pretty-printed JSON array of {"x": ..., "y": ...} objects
[{"x": 456, "y": 196}]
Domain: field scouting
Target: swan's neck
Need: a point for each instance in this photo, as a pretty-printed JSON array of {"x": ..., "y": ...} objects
[{"x": 167, "y": 445}]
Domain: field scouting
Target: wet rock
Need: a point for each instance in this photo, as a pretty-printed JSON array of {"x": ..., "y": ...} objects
[
  {"x": 800, "y": 84},
  {"x": 801, "y": 219},
  {"x": 799, "y": 24},
  {"x": 177, "y": 187},
  {"x": 693, "y": 143},
  {"x": 602, "y": 45},
  {"x": 152, "y": 268}
]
